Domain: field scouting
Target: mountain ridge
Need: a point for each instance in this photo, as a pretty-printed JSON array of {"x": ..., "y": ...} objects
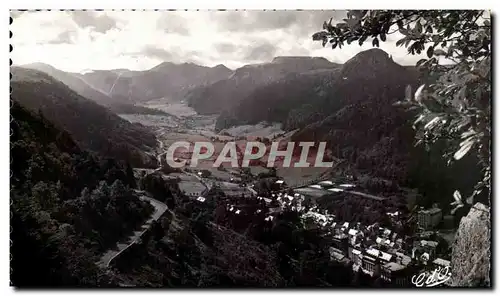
[{"x": 94, "y": 127}]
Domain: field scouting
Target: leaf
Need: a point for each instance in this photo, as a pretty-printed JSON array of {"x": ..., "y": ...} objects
[
  {"x": 432, "y": 123},
  {"x": 420, "y": 118},
  {"x": 439, "y": 52},
  {"x": 400, "y": 24},
  {"x": 375, "y": 42},
  {"x": 456, "y": 208},
  {"x": 470, "y": 200},
  {"x": 418, "y": 28},
  {"x": 420, "y": 62},
  {"x": 430, "y": 51},
  {"x": 382, "y": 37},
  {"x": 457, "y": 196},
  {"x": 465, "y": 147},
  {"x": 408, "y": 93},
  {"x": 418, "y": 93}
]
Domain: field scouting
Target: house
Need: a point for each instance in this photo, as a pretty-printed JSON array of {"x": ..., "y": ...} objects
[
  {"x": 396, "y": 274},
  {"x": 354, "y": 235},
  {"x": 356, "y": 256},
  {"x": 441, "y": 263},
  {"x": 341, "y": 242},
  {"x": 338, "y": 255},
  {"x": 385, "y": 257},
  {"x": 428, "y": 219},
  {"x": 402, "y": 258},
  {"x": 370, "y": 263},
  {"x": 429, "y": 247}
]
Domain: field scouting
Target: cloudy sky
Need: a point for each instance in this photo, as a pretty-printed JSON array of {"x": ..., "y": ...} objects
[{"x": 82, "y": 40}]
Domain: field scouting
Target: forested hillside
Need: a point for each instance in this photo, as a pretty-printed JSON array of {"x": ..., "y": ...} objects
[
  {"x": 91, "y": 125},
  {"x": 353, "y": 109},
  {"x": 68, "y": 205},
  {"x": 72, "y": 80},
  {"x": 227, "y": 93}
]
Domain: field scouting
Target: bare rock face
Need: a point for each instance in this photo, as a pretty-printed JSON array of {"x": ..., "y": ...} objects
[{"x": 471, "y": 255}]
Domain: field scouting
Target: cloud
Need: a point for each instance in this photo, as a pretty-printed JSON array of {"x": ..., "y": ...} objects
[
  {"x": 226, "y": 47},
  {"x": 100, "y": 23},
  {"x": 254, "y": 21},
  {"x": 63, "y": 38},
  {"x": 261, "y": 52},
  {"x": 140, "y": 40},
  {"x": 157, "y": 53},
  {"x": 170, "y": 22}
]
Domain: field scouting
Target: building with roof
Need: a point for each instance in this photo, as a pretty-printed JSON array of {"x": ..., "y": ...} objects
[
  {"x": 370, "y": 264},
  {"x": 395, "y": 274},
  {"x": 338, "y": 255},
  {"x": 356, "y": 255},
  {"x": 341, "y": 242},
  {"x": 428, "y": 219},
  {"x": 428, "y": 247},
  {"x": 402, "y": 259},
  {"x": 438, "y": 262}
]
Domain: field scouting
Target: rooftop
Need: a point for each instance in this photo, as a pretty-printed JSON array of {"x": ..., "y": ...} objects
[
  {"x": 353, "y": 231},
  {"x": 393, "y": 266},
  {"x": 441, "y": 262}
]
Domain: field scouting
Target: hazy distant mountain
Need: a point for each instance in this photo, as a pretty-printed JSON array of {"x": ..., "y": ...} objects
[
  {"x": 165, "y": 80},
  {"x": 91, "y": 124},
  {"x": 76, "y": 83},
  {"x": 224, "y": 94}
]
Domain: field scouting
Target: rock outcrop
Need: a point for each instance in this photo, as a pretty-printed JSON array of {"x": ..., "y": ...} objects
[{"x": 471, "y": 255}]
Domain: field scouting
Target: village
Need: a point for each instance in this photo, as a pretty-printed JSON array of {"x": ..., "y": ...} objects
[{"x": 378, "y": 252}]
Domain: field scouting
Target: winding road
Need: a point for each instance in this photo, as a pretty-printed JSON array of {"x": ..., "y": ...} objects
[{"x": 160, "y": 208}]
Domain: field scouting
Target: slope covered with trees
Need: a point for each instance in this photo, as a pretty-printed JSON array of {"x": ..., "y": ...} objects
[
  {"x": 92, "y": 125},
  {"x": 68, "y": 206},
  {"x": 225, "y": 94},
  {"x": 80, "y": 86},
  {"x": 453, "y": 112}
]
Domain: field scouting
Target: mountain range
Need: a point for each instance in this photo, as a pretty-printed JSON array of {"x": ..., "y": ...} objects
[
  {"x": 165, "y": 80},
  {"x": 350, "y": 106}
]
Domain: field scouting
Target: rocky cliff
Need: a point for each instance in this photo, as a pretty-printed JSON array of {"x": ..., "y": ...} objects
[{"x": 471, "y": 255}]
